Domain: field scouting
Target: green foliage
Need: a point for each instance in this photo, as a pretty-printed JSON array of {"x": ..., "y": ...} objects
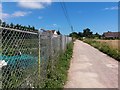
[
  {"x": 11, "y": 25},
  {"x": 56, "y": 78},
  {"x": 74, "y": 35},
  {"x": 3, "y": 24},
  {"x": 80, "y": 34},
  {"x": 86, "y": 33},
  {"x": 0, "y": 22},
  {"x": 18, "y": 26},
  {"x": 103, "y": 47},
  {"x": 7, "y": 25}
]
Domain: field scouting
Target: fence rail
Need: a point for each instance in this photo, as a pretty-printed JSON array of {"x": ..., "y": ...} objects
[{"x": 24, "y": 56}]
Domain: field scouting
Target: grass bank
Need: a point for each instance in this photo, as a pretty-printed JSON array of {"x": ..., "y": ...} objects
[
  {"x": 57, "y": 77},
  {"x": 105, "y": 48},
  {"x": 112, "y": 43}
]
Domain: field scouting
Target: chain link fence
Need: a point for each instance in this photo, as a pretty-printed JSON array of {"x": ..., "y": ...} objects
[{"x": 25, "y": 56}]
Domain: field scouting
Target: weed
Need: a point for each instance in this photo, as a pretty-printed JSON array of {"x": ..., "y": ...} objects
[{"x": 57, "y": 77}]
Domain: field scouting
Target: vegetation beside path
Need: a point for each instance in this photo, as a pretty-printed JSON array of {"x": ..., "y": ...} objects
[
  {"x": 105, "y": 48},
  {"x": 57, "y": 77}
]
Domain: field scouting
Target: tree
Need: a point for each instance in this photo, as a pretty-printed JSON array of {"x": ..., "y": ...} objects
[
  {"x": 3, "y": 24},
  {"x": 17, "y": 26},
  {"x": 11, "y": 25},
  {"x": 87, "y": 33},
  {"x": 25, "y": 28},
  {"x": 33, "y": 28},
  {"x": 29, "y": 27},
  {"x": 0, "y": 22},
  {"x": 20, "y": 27},
  {"x": 80, "y": 34},
  {"x": 96, "y": 35},
  {"x": 7, "y": 26},
  {"x": 74, "y": 35}
]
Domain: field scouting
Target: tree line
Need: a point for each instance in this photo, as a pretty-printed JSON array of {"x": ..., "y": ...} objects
[
  {"x": 18, "y": 26},
  {"x": 87, "y": 33}
]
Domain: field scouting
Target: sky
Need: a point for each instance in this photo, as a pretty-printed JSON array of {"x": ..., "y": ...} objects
[{"x": 98, "y": 16}]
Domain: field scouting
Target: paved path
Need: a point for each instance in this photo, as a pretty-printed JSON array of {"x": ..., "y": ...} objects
[{"x": 91, "y": 68}]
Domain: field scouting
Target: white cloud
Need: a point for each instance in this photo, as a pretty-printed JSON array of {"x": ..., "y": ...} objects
[
  {"x": 112, "y": 8},
  {"x": 15, "y": 14},
  {"x": 5, "y": 15},
  {"x": 32, "y": 4},
  {"x": 40, "y": 17},
  {"x": 20, "y": 14}
]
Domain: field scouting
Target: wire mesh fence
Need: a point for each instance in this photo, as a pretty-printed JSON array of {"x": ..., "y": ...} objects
[{"x": 25, "y": 56}]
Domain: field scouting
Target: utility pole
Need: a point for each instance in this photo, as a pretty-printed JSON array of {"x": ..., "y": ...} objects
[{"x": 72, "y": 29}]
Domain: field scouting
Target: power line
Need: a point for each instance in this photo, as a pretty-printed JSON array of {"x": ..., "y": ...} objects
[
  {"x": 66, "y": 15},
  {"x": 72, "y": 28},
  {"x": 66, "y": 12}
]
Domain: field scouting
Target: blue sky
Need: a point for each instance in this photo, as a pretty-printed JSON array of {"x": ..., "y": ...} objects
[{"x": 99, "y": 17}]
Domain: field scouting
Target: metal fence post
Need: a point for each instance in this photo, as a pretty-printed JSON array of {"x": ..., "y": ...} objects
[
  {"x": 0, "y": 57},
  {"x": 39, "y": 56}
]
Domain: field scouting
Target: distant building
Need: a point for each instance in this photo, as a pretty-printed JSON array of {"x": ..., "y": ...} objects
[
  {"x": 54, "y": 32},
  {"x": 112, "y": 35}
]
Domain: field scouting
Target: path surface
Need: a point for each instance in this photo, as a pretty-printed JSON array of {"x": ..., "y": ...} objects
[{"x": 91, "y": 68}]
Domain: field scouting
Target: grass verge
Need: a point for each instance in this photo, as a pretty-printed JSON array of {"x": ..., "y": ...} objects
[
  {"x": 57, "y": 77},
  {"x": 103, "y": 47}
]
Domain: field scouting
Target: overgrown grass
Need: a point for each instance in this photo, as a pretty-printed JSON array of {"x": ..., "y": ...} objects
[
  {"x": 103, "y": 47},
  {"x": 57, "y": 77},
  {"x": 112, "y": 43}
]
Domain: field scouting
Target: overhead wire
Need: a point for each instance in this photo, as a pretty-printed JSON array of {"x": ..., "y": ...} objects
[{"x": 63, "y": 5}]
